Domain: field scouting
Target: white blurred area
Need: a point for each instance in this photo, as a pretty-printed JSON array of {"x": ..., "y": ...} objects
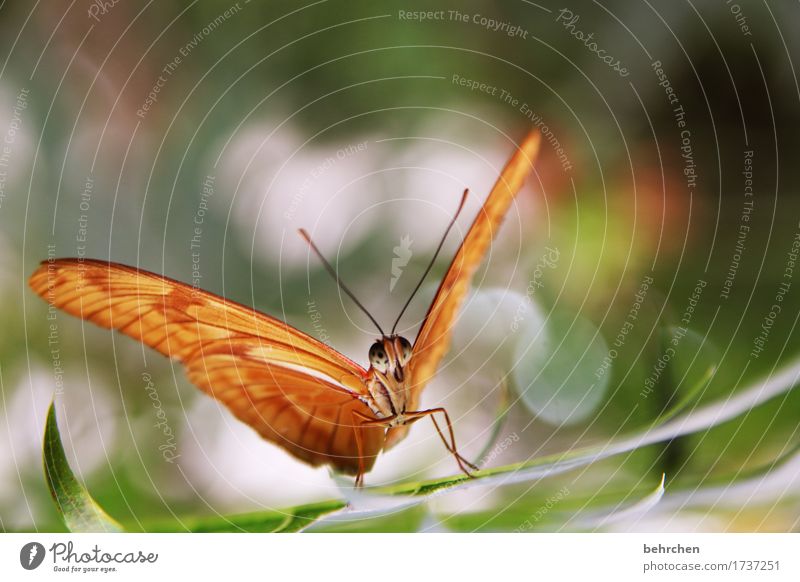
[
  {"x": 88, "y": 417},
  {"x": 17, "y": 143},
  {"x": 344, "y": 191},
  {"x": 8, "y": 266}
]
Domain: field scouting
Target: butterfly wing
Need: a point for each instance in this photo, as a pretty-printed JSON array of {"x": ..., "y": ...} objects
[
  {"x": 292, "y": 389},
  {"x": 433, "y": 339}
]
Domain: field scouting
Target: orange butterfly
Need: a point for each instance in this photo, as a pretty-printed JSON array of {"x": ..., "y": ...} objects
[{"x": 293, "y": 390}]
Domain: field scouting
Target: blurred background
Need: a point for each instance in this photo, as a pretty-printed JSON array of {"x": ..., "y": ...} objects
[{"x": 648, "y": 252}]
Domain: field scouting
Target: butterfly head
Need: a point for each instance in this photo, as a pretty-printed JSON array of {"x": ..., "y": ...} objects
[{"x": 389, "y": 356}]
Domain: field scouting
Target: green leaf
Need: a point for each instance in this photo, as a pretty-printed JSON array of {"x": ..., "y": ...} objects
[
  {"x": 688, "y": 397},
  {"x": 550, "y": 510},
  {"x": 79, "y": 511},
  {"x": 691, "y": 355},
  {"x": 687, "y": 360},
  {"x": 743, "y": 477},
  {"x": 286, "y": 521},
  {"x": 624, "y": 510},
  {"x": 403, "y": 521},
  {"x": 497, "y": 425}
]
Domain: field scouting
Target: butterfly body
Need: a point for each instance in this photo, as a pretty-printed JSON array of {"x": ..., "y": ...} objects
[
  {"x": 295, "y": 391},
  {"x": 388, "y": 393}
]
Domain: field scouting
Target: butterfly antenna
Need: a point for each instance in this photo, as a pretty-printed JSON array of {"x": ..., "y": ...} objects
[
  {"x": 433, "y": 259},
  {"x": 339, "y": 282}
]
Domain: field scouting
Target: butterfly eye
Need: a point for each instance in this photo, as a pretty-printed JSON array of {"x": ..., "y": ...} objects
[
  {"x": 405, "y": 349},
  {"x": 378, "y": 357}
]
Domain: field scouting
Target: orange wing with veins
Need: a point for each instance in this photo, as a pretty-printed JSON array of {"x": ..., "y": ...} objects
[
  {"x": 433, "y": 339},
  {"x": 292, "y": 389}
]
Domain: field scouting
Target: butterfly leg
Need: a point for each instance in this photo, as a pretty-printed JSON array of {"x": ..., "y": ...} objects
[
  {"x": 360, "y": 421},
  {"x": 451, "y": 445},
  {"x": 453, "y": 441}
]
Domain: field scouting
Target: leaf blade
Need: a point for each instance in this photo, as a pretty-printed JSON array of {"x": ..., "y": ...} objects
[{"x": 79, "y": 511}]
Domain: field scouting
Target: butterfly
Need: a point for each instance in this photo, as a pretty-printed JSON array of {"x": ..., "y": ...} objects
[{"x": 294, "y": 390}]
